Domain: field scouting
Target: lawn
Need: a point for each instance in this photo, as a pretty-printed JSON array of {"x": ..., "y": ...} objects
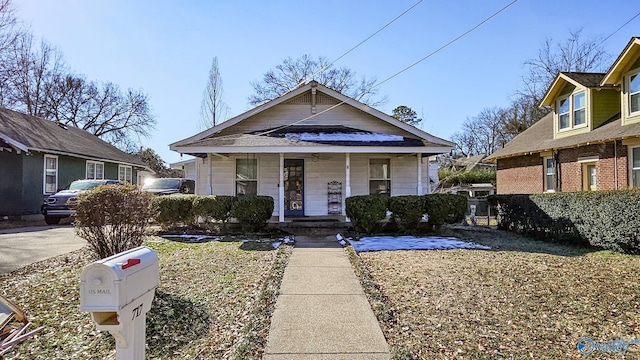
[
  {"x": 214, "y": 301},
  {"x": 523, "y": 299}
]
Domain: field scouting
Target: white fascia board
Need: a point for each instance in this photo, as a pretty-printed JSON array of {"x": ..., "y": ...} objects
[
  {"x": 316, "y": 149},
  {"x": 16, "y": 144},
  {"x": 236, "y": 119}
]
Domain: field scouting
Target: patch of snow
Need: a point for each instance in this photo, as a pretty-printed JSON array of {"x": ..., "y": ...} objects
[
  {"x": 355, "y": 136},
  {"x": 192, "y": 238},
  {"x": 377, "y": 243}
]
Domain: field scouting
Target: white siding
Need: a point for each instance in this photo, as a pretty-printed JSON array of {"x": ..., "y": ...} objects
[
  {"x": 319, "y": 171},
  {"x": 287, "y": 114}
]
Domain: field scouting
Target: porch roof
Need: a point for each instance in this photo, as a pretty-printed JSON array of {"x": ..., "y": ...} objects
[{"x": 316, "y": 139}]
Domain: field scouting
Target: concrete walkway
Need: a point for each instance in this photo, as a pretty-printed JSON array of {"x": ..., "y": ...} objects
[{"x": 322, "y": 311}]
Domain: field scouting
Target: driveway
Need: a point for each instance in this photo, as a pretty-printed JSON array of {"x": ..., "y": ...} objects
[{"x": 23, "y": 246}]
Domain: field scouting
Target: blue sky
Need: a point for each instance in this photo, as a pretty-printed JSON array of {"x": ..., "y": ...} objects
[{"x": 165, "y": 48}]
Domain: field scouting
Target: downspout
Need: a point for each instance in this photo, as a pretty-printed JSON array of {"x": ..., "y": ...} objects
[{"x": 615, "y": 163}]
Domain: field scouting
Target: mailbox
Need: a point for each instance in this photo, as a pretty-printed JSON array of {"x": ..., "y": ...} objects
[{"x": 118, "y": 292}]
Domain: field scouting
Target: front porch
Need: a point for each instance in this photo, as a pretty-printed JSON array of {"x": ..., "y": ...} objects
[{"x": 310, "y": 188}]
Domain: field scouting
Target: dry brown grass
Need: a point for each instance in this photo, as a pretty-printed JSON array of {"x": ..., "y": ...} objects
[
  {"x": 214, "y": 302},
  {"x": 524, "y": 299}
]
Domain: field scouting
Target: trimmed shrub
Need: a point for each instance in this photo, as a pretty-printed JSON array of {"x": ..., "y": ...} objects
[
  {"x": 173, "y": 210},
  {"x": 444, "y": 208},
  {"x": 252, "y": 212},
  {"x": 213, "y": 208},
  {"x": 407, "y": 211},
  {"x": 113, "y": 218},
  {"x": 605, "y": 219},
  {"x": 367, "y": 212}
]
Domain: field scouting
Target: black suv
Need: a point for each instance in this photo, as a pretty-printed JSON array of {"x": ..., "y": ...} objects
[
  {"x": 56, "y": 206},
  {"x": 169, "y": 186}
]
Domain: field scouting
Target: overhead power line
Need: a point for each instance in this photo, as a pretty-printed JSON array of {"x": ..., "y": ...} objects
[
  {"x": 361, "y": 42},
  {"x": 403, "y": 70},
  {"x": 620, "y": 28}
]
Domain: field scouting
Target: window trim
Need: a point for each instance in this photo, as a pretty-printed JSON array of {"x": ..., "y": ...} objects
[
  {"x": 130, "y": 168},
  {"x": 95, "y": 164},
  {"x": 235, "y": 178},
  {"x": 546, "y": 173},
  {"x": 572, "y": 111},
  {"x": 631, "y": 168},
  {"x": 627, "y": 80},
  {"x": 390, "y": 178},
  {"x": 44, "y": 175}
]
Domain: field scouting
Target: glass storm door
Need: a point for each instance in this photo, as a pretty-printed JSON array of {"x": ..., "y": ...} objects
[{"x": 293, "y": 187}]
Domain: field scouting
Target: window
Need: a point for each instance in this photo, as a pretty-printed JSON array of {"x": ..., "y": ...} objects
[
  {"x": 124, "y": 173},
  {"x": 50, "y": 174},
  {"x": 549, "y": 174},
  {"x": 95, "y": 170},
  {"x": 380, "y": 176},
  {"x": 589, "y": 177},
  {"x": 246, "y": 176},
  {"x": 563, "y": 113},
  {"x": 579, "y": 109},
  {"x": 635, "y": 166},
  {"x": 634, "y": 93},
  {"x": 572, "y": 111}
]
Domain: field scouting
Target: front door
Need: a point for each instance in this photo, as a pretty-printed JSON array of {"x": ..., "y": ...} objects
[{"x": 294, "y": 187}]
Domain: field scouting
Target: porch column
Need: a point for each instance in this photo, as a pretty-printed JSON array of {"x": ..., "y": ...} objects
[
  {"x": 419, "y": 157},
  {"x": 347, "y": 180},
  {"x": 281, "y": 190},
  {"x": 428, "y": 178}
]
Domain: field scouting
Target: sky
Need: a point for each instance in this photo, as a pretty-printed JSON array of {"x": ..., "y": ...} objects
[{"x": 165, "y": 48}]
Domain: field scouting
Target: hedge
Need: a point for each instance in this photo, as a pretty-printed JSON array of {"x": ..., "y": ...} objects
[
  {"x": 252, "y": 212},
  {"x": 213, "y": 208},
  {"x": 407, "y": 211},
  {"x": 444, "y": 208},
  {"x": 605, "y": 219},
  {"x": 172, "y": 210},
  {"x": 367, "y": 212}
]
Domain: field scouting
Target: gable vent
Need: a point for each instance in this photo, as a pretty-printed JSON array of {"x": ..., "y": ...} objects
[
  {"x": 304, "y": 99},
  {"x": 325, "y": 99}
]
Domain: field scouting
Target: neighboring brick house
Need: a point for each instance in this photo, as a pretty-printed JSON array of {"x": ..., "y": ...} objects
[{"x": 591, "y": 139}]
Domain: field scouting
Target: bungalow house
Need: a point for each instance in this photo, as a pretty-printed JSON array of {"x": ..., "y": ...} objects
[
  {"x": 38, "y": 157},
  {"x": 590, "y": 140},
  {"x": 310, "y": 149}
]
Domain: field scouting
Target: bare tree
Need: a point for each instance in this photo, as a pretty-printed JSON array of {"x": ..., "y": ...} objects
[
  {"x": 574, "y": 55},
  {"x": 117, "y": 116},
  {"x": 212, "y": 109},
  {"x": 295, "y": 72},
  {"x": 482, "y": 134}
]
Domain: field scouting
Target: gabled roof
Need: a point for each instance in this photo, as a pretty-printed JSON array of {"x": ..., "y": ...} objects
[
  {"x": 626, "y": 58},
  {"x": 29, "y": 133},
  {"x": 207, "y": 137},
  {"x": 539, "y": 137},
  {"x": 580, "y": 79}
]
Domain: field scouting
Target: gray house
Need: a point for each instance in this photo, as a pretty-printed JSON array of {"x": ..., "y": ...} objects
[{"x": 38, "y": 157}]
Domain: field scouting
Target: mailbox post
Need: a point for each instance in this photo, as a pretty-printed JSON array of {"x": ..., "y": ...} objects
[{"x": 118, "y": 292}]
